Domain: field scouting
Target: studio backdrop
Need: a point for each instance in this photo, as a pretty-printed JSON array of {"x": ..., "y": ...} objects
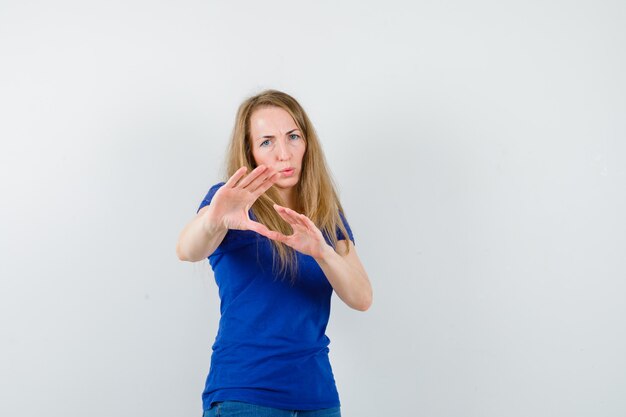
[{"x": 479, "y": 148}]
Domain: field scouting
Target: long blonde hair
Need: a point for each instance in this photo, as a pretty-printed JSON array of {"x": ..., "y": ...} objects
[{"x": 315, "y": 192}]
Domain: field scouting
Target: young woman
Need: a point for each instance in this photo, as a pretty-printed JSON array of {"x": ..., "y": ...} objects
[{"x": 279, "y": 244}]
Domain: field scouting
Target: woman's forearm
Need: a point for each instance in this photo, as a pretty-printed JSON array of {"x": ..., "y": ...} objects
[
  {"x": 350, "y": 281},
  {"x": 200, "y": 237}
]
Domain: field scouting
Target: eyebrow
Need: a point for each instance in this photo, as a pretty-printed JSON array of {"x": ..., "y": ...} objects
[{"x": 272, "y": 136}]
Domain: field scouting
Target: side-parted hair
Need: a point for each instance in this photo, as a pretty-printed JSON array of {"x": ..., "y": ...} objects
[{"x": 316, "y": 195}]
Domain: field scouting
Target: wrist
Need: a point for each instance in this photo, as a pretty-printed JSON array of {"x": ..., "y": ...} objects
[
  {"x": 212, "y": 224},
  {"x": 325, "y": 254}
]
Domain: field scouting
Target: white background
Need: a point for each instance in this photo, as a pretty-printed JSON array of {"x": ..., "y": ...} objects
[{"x": 479, "y": 148}]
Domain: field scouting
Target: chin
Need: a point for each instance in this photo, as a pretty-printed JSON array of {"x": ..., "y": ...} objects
[{"x": 287, "y": 183}]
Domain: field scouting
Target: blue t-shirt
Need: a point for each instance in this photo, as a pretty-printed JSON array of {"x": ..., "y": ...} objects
[{"x": 271, "y": 348}]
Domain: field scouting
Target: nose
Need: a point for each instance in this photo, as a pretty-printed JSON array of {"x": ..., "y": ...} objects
[{"x": 283, "y": 151}]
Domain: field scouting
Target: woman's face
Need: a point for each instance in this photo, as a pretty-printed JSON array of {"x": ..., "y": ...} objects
[{"x": 277, "y": 142}]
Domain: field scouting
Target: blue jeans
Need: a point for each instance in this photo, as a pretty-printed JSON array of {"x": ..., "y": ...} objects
[{"x": 241, "y": 409}]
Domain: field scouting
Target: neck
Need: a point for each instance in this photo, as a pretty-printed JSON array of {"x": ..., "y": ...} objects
[{"x": 288, "y": 197}]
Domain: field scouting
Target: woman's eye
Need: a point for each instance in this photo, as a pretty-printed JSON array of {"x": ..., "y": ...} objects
[
  {"x": 294, "y": 136},
  {"x": 265, "y": 143}
]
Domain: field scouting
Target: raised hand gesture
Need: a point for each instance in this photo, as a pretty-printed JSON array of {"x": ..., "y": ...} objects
[
  {"x": 306, "y": 237},
  {"x": 231, "y": 203}
]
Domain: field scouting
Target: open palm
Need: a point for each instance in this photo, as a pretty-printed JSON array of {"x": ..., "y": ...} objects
[
  {"x": 232, "y": 202},
  {"x": 306, "y": 237}
]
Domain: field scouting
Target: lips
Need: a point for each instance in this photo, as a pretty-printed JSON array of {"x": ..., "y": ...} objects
[{"x": 288, "y": 171}]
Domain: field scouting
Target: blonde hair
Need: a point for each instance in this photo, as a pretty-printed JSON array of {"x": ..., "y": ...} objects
[{"x": 315, "y": 192}]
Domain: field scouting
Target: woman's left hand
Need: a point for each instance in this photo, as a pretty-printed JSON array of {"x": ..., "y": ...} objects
[{"x": 306, "y": 237}]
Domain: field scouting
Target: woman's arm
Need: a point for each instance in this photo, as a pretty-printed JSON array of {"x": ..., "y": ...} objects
[
  {"x": 342, "y": 268},
  {"x": 346, "y": 274},
  {"x": 228, "y": 210},
  {"x": 200, "y": 237}
]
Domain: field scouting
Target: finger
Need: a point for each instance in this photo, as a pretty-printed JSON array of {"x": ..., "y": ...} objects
[
  {"x": 282, "y": 212},
  {"x": 266, "y": 184},
  {"x": 236, "y": 177},
  {"x": 298, "y": 222},
  {"x": 297, "y": 217},
  {"x": 308, "y": 223},
  {"x": 252, "y": 176},
  {"x": 289, "y": 215},
  {"x": 304, "y": 221},
  {"x": 264, "y": 231},
  {"x": 258, "y": 181}
]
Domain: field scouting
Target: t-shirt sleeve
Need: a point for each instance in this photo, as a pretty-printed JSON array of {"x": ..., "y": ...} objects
[
  {"x": 340, "y": 235},
  {"x": 209, "y": 196}
]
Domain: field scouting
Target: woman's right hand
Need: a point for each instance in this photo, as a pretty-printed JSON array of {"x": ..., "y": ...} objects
[{"x": 231, "y": 202}]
